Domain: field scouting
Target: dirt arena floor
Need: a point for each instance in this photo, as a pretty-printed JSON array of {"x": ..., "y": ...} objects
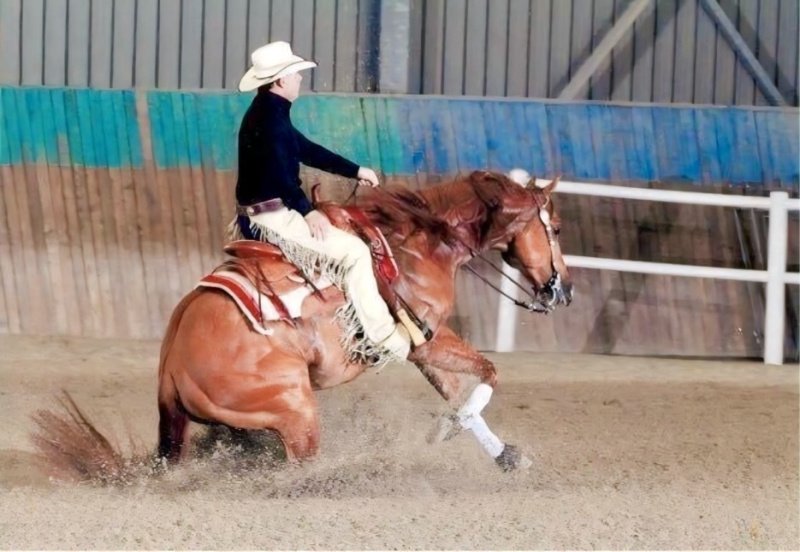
[{"x": 628, "y": 453}]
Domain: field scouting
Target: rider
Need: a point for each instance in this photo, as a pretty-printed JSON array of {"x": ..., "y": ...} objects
[{"x": 272, "y": 207}]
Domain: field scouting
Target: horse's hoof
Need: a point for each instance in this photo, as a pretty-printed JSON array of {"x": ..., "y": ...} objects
[
  {"x": 446, "y": 428},
  {"x": 158, "y": 465},
  {"x": 512, "y": 459}
]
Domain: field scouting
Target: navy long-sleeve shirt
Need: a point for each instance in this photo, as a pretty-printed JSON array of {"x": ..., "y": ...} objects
[{"x": 270, "y": 153}]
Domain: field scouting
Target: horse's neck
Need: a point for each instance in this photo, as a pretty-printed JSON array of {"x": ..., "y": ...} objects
[{"x": 458, "y": 205}]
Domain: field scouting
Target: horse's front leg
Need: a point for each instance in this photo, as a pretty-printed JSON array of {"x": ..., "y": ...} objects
[{"x": 447, "y": 361}]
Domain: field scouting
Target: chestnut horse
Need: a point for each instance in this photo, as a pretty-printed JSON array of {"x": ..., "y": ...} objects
[{"x": 215, "y": 369}]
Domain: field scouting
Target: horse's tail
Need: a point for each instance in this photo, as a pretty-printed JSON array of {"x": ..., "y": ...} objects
[
  {"x": 71, "y": 447},
  {"x": 172, "y": 418}
]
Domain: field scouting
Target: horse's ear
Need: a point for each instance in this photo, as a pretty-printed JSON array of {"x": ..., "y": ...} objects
[
  {"x": 547, "y": 188},
  {"x": 521, "y": 177}
]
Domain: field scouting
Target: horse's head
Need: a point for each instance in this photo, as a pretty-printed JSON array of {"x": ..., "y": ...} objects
[{"x": 533, "y": 248}]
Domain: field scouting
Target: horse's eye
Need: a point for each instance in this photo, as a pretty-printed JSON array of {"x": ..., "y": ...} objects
[{"x": 556, "y": 231}]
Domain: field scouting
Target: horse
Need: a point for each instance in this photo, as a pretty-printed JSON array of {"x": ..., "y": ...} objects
[{"x": 215, "y": 369}]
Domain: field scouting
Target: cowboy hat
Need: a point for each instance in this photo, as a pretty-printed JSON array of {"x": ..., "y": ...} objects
[{"x": 270, "y": 63}]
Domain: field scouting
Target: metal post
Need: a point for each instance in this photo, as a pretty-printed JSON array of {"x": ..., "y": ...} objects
[
  {"x": 505, "y": 338},
  {"x": 774, "y": 317}
]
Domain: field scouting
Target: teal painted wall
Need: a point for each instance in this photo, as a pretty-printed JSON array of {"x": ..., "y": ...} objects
[
  {"x": 411, "y": 134},
  {"x": 94, "y": 128}
]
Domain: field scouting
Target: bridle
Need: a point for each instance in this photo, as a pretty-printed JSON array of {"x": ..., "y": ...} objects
[{"x": 535, "y": 304}]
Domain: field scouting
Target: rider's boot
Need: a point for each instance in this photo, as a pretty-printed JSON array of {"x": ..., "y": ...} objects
[{"x": 398, "y": 342}]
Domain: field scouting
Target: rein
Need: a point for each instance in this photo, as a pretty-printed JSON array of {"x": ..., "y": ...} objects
[
  {"x": 533, "y": 306},
  {"x": 352, "y": 194}
]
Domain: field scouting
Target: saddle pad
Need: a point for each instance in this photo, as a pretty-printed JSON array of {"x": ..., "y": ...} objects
[{"x": 258, "y": 308}]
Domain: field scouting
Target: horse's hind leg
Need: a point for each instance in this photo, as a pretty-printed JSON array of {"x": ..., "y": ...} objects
[
  {"x": 171, "y": 433},
  {"x": 258, "y": 442},
  {"x": 283, "y": 402},
  {"x": 172, "y": 424},
  {"x": 299, "y": 432},
  {"x": 298, "y": 426}
]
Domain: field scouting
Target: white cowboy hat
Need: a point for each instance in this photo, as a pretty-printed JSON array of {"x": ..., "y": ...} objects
[{"x": 271, "y": 62}]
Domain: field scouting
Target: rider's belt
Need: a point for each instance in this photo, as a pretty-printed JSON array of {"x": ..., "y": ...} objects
[{"x": 260, "y": 207}]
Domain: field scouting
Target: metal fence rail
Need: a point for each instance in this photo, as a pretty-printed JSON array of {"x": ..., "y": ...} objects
[{"x": 776, "y": 276}]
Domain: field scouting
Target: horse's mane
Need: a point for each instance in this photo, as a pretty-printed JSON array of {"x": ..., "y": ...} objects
[{"x": 459, "y": 211}]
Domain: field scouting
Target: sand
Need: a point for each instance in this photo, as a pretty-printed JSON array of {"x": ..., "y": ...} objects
[{"x": 635, "y": 453}]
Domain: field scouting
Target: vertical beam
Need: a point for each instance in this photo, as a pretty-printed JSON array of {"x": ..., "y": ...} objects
[
  {"x": 505, "y": 338},
  {"x": 368, "y": 40},
  {"x": 776, "y": 286},
  {"x": 614, "y": 35},
  {"x": 740, "y": 46}
]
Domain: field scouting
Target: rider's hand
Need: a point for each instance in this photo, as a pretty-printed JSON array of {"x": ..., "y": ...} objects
[
  {"x": 367, "y": 177},
  {"x": 318, "y": 223}
]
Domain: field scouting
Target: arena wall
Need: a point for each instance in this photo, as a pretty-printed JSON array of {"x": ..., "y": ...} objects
[{"x": 114, "y": 203}]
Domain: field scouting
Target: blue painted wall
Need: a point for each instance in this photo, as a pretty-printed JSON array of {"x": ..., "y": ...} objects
[{"x": 405, "y": 135}]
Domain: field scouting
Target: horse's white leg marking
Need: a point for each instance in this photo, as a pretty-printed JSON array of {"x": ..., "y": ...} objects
[
  {"x": 469, "y": 416},
  {"x": 488, "y": 440},
  {"x": 477, "y": 401}
]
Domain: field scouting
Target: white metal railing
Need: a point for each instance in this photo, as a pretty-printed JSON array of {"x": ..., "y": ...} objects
[{"x": 776, "y": 277}]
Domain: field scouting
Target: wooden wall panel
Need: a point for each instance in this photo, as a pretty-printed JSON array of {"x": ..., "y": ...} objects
[
  {"x": 113, "y": 204},
  {"x": 133, "y": 283}
]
